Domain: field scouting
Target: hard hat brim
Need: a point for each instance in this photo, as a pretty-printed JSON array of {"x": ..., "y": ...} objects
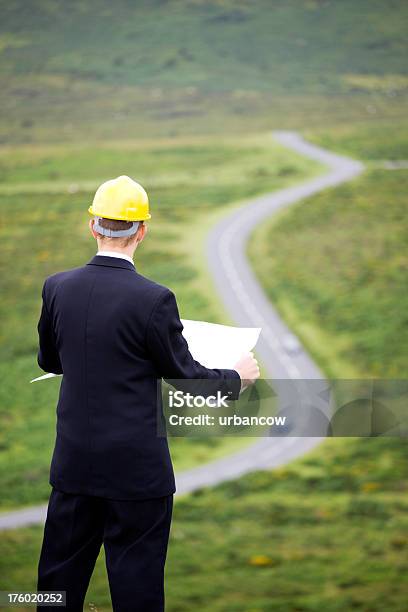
[{"x": 119, "y": 218}]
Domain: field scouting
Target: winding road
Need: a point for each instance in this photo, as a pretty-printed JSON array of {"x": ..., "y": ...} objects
[{"x": 248, "y": 306}]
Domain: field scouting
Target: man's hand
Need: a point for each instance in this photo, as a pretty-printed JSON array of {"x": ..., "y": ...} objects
[{"x": 248, "y": 369}]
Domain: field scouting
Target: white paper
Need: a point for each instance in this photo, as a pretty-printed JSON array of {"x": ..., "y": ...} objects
[
  {"x": 44, "y": 377},
  {"x": 213, "y": 345},
  {"x": 218, "y": 346}
]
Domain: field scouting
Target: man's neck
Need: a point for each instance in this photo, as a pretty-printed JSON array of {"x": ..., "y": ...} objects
[{"x": 115, "y": 253}]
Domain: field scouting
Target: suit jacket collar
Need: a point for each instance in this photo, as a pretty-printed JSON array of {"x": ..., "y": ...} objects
[{"x": 111, "y": 262}]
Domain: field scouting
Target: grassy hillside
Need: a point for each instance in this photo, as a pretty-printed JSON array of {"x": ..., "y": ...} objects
[
  {"x": 327, "y": 532},
  {"x": 215, "y": 45},
  {"x": 87, "y": 69},
  {"x": 371, "y": 141},
  {"x": 336, "y": 266}
]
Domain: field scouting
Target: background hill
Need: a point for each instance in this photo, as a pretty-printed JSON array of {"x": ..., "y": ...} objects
[
  {"x": 188, "y": 66},
  {"x": 282, "y": 46}
]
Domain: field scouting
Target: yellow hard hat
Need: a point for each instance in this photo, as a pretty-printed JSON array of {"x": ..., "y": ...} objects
[{"x": 121, "y": 199}]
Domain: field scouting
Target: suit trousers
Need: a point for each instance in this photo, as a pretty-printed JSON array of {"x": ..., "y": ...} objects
[{"x": 135, "y": 536}]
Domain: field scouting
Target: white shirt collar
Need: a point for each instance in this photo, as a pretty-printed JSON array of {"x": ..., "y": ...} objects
[{"x": 115, "y": 254}]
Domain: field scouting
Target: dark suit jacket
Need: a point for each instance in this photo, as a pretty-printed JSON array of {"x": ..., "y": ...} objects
[{"x": 114, "y": 334}]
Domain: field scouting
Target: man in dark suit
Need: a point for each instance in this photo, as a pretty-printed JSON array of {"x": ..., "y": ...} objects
[{"x": 114, "y": 334}]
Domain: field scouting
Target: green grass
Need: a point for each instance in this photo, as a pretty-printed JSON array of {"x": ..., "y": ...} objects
[
  {"x": 370, "y": 140},
  {"x": 327, "y": 532},
  {"x": 335, "y": 265},
  {"x": 88, "y": 70},
  {"x": 190, "y": 185},
  {"x": 195, "y": 163},
  {"x": 214, "y": 45}
]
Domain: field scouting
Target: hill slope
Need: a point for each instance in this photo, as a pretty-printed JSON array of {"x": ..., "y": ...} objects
[
  {"x": 186, "y": 66},
  {"x": 286, "y": 46}
]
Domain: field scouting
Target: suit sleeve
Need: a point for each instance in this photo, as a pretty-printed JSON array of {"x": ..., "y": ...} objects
[
  {"x": 173, "y": 360},
  {"x": 48, "y": 357}
]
